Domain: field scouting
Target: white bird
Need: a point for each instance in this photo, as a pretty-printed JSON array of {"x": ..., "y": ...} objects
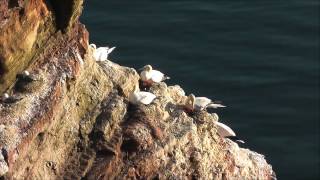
[
  {"x": 200, "y": 103},
  {"x": 101, "y": 53},
  {"x": 141, "y": 97},
  {"x": 149, "y": 76},
  {"x": 224, "y": 130}
]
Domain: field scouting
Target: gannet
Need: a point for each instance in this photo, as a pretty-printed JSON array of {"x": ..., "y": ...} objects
[
  {"x": 149, "y": 76},
  {"x": 6, "y": 98},
  {"x": 226, "y": 132},
  {"x": 141, "y": 97},
  {"x": 101, "y": 53},
  {"x": 200, "y": 103}
]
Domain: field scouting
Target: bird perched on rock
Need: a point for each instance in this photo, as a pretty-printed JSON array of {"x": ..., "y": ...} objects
[
  {"x": 101, "y": 53},
  {"x": 141, "y": 97},
  {"x": 149, "y": 76},
  {"x": 200, "y": 103},
  {"x": 6, "y": 98},
  {"x": 226, "y": 132}
]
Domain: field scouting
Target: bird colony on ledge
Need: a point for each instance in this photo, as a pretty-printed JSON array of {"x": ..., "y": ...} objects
[{"x": 148, "y": 76}]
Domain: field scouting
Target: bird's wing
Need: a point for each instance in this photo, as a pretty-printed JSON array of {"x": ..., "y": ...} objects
[
  {"x": 145, "y": 97},
  {"x": 157, "y": 76},
  {"x": 224, "y": 130},
  {"x": 104, "y": 53},
  {"x": 101, "y": 53},
  {"x": 202, "y": 101}
]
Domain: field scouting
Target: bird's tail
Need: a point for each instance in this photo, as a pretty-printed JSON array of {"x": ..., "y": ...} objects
[
  {"x": 214, "y": 105},
  {"x": 235, "y": 139},
  {"x": 111, "y": 49},
  {"x": 166, "y": 77}
]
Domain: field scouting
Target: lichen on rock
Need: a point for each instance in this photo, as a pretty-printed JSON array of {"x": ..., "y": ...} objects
[{"x": 75, "y": 121}]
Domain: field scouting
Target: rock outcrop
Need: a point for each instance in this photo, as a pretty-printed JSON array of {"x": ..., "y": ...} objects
[{"x": 74, "y": 120}]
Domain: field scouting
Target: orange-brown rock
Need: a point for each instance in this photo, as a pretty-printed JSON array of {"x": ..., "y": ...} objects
[
  {"x": 75, "y": 122},
  {"x": 27, "y": 29}
]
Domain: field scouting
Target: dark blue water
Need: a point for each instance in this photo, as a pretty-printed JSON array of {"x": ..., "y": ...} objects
[{"x": 260, "y": 58}]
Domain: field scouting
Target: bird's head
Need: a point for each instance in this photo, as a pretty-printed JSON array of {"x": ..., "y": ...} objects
[
  {"x": 5, "y": 95},
  {"x": 190, "y": 102},
  {"x": 147, "y": 68},
  {"x": 93, "y": 46},
  {"x": 26, "y": 73}
]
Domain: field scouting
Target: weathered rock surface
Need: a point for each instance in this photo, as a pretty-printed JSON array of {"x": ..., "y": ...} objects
[{"x": 75, "y": 122}]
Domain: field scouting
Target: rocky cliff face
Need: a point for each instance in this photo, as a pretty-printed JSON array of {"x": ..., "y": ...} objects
[{"x": 74, "y": 120}]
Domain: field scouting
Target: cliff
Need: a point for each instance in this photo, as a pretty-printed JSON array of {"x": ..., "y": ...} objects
[{"x": 74, "y": 120}]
